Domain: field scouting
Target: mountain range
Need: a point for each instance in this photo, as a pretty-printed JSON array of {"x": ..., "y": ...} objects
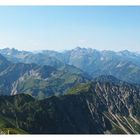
[
  {"x": 78, "y": 91},
  {"x": 124, "y": 65}
]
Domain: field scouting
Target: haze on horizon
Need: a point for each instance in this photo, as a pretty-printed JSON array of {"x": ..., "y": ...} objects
[{"x": 66, "y": 27}]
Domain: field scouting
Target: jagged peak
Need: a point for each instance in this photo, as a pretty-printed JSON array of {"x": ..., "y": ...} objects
[
  {"x": 108, "y": 78},
  {"x": 111, "y": 79}
]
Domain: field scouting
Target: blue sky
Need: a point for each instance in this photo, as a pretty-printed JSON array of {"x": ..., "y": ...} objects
[{"x": 61, "y": 28}]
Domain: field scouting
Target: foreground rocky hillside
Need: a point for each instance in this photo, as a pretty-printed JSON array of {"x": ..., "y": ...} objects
[{"x": 106, "y": 105}]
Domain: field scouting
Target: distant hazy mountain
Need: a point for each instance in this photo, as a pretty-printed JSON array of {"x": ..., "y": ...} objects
[
  {"x": 124, "y": 65},
  {"x": 98, "y": 107}
]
